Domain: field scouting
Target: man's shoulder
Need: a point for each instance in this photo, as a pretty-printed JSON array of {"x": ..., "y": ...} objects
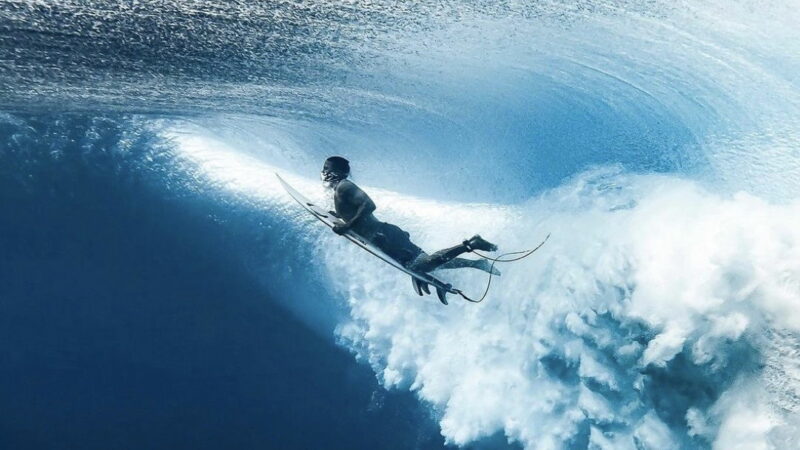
[{"x": 346, "y": 186}]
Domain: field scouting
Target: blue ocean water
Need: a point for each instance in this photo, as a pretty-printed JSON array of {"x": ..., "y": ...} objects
[
  {"x": 159, "y": 290},
  {"x": 128, "y": 322}
]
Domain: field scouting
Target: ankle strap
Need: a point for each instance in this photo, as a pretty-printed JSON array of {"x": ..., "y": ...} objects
[{"x": 466, "y": 244}]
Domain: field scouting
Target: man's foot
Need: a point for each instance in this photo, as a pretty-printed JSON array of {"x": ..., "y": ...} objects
[
  {"x": 486, "y": 266},
  {"x": 478, "y": 243}
]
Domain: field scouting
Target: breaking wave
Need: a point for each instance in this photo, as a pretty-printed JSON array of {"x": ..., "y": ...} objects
[{"x": 656, "y": 316}]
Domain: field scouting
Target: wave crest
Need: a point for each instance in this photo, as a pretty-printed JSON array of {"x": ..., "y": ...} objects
[{"x": 641, "y": 322}]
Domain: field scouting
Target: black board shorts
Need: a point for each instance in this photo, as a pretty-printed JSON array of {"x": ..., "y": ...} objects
[{"x": 396, "y": 243}]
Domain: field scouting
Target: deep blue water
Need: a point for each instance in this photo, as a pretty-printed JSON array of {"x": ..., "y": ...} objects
[{"x": 127, "y": 322}]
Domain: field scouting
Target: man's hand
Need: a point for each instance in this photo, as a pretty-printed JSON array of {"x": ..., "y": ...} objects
[{"x": 341, "y": 228}]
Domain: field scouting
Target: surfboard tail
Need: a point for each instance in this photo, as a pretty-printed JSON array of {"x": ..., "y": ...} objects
[{"x": 421, "y": 288}]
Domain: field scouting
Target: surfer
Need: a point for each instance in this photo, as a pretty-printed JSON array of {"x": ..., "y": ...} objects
[{"x": 355, "y": 208}]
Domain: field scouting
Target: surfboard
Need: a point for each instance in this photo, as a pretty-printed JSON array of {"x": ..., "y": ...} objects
[{"x": 419, "y": 280}]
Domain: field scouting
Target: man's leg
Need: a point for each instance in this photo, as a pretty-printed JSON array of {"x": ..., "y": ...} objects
[
  {"x": 427, "y": 263},
  {"x": 480, "y": 264}
]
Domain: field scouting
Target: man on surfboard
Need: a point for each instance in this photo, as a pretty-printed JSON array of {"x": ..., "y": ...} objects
[{"x": 355, "y": 208}]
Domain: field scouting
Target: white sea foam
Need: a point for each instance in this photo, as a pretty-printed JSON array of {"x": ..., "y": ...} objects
[
  {"x": 648, "y": 282},
  {"x": 644, "y": 321}
]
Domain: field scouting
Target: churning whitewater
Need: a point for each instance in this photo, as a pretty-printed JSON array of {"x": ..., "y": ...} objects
[
  {"x": 656, "y": 141},
  {"x": 656, "y": 317}
]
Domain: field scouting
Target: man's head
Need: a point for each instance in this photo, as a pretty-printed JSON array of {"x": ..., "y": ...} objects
[{"x": 335, "y": 169}]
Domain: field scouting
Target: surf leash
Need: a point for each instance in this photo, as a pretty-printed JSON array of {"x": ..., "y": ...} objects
[{"x": 501, "y": 259}]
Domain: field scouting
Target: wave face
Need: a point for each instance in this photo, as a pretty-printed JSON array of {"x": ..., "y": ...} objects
[
  {"x": 656, "y": 141},
  {"x": 659, "y": 315}
]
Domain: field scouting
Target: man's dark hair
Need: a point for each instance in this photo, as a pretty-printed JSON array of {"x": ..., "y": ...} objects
[{"x": 339, "y": 164}]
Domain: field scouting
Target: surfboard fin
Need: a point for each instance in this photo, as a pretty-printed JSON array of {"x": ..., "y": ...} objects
[
  {"x": 425, "y": 288},
  {"x": 442, "y": 295},
  {"x": 417, "y": 286},
  {"x": 421, "y": 287}
]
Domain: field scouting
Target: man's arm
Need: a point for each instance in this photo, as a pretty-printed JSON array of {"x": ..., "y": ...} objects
[{"x": 355, "y": 196}]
